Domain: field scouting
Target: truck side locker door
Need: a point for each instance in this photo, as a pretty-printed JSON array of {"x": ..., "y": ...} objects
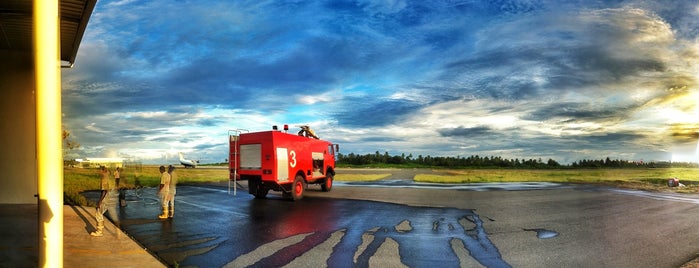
[{"x": 282, "y": 164}]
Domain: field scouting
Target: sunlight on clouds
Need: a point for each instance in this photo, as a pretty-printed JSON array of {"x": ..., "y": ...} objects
[
  {"x": 687, "y": 153},
  {"x": 241, "y": 119},
  {"x": 684, "y": 128},
  {"x": 640, "y": 30},
  {"x": 641, "y": 95},
  {"x": 693, "y": 101},
  {"x": 144, "y": 154},
  {"x": 558, "y": 129},
  {"x": 149, "y": 114},
  {"x": 471, "y": 113},
  {"x": 682, "y": 109},
  {"x": 467, "y": 147},
  {"x": 313, "y": 99},
  {"x": 406, "y": 131},
  {"x": 645, "y": 28},
  {"x": 500, "y": 121},
  {"x": 410, "y": 95},
  {"x": 95, "y": 128},
  {"x": 157, "y": 137},
  {"x": 111, "y": 152}
]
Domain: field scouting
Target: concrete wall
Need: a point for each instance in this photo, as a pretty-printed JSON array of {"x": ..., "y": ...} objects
[{"x": 18, "y": 177}]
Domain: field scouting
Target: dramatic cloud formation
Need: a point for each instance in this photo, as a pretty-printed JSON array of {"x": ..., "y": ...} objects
[{"x": 566, "y": 80}]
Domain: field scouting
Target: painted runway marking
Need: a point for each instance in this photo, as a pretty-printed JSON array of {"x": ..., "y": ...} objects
[
  {"x": 265, "y": 251},
  {"x": 486, "y": 186},
  {"x": 658, "y": 196},
  {"x": 382, "y": 246}
]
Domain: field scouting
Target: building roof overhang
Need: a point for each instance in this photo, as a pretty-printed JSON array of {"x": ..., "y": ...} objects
[{"x": 16, "y": 26}]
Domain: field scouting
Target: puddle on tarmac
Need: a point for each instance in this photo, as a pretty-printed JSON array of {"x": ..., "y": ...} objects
[{"x": 543, "y": 233}]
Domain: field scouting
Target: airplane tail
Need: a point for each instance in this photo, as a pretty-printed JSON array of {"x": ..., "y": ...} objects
[{"x": 181, "y": 156}]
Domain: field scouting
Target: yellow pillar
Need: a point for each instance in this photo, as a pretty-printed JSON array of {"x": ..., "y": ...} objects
[{"x": 48, "y": 131}]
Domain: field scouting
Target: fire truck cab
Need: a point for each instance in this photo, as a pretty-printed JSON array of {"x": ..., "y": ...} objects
[{"x": 280, "y": 161}]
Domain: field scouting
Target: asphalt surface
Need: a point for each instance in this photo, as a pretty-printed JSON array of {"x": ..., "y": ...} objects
[
  {"x": 19, "y": 240},
  {"x": 398, "y": 222}
]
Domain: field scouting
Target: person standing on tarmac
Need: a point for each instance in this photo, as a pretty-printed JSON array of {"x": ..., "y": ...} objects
[
  {"x": 122, "y": 194},
  {"x": 173, "y": 189},
  {"x": 164, "y": 192},
  {"x": 106, "y": 201}
]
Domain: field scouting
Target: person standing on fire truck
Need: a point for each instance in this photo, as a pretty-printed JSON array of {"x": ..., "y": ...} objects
[
  {"x": 164, "y": 192},
  {"x": 306, "y": 131}
]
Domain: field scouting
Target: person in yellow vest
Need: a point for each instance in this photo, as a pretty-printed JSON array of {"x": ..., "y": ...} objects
[{"x": 164, "y": 192}]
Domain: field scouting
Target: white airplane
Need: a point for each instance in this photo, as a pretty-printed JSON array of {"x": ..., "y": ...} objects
[{"x": 187, "y": 163}]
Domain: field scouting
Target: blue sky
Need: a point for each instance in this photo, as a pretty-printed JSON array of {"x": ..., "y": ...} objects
[{"x": 566, "y": 80}]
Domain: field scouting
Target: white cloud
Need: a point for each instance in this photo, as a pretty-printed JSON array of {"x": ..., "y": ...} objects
[
  {"x": 313, "y": 99},
  {"x": 93, "y": 127}
]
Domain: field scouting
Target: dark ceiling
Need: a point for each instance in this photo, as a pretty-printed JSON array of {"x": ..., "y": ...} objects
[{"x": 16, "y": 25}]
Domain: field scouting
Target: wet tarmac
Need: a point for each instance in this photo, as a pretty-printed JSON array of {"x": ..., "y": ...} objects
[
  {"x": 392, "y": 226},
  {"x": 217, "y": 236}
]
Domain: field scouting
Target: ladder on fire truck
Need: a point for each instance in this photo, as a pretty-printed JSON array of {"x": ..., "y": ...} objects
[{"x": 233, "y": 137}]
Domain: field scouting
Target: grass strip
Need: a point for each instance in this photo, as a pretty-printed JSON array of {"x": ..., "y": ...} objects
[{"x": 644, "y": 179}]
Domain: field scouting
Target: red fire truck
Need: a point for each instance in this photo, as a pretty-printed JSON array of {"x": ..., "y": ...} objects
[{"x": 281, "y": 161}]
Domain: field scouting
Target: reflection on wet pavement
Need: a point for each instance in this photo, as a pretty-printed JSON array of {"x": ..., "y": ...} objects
[{"x": 543, "y": 233}]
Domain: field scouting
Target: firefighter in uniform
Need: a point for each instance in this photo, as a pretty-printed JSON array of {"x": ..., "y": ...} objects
[
  {"x": 107, "y": 201},
  {"x": 122, "y": 191},
  {"x": 306, "y": 131},
  {"x": 172, "y": 190},
  {"x": 164, "y": 192}
]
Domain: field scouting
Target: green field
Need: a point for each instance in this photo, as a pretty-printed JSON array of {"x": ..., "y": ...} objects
[{"x": 77, "y": 180}]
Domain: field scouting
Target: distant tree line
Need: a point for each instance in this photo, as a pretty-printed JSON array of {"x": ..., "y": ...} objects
[
  {"x": 617, "y": 163},
  {"x": 475, "y": 161}
]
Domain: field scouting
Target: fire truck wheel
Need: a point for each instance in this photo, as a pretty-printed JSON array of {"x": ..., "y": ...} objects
[
  {"x": 298, "y": 188},
  {"x": 328, "y": 184},
  {"x": 261, "y": 192}
]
